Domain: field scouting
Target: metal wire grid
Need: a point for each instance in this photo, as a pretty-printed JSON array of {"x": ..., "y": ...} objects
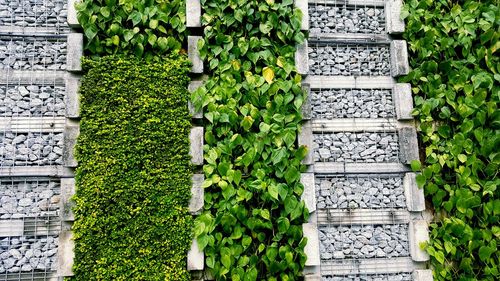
[
  {"x": 370, "y": 277},
  {"x": 32, "y": 53},
  {"x": 356, "y": 147},
  {"x": 349, "y": 59},
  {"x": 329, "y": 104},
  {"x": 47, "y": 16},
  {"x": 18, "y": 100},
  {"x": 361, "y": 248},
  {"x": 344, "y": 17},
  {"x": 29, "y": 227},
  {"x": 363, "y": 241},
  {"x": 23, "y": 100},
  {"x": 351, "y": 191}
]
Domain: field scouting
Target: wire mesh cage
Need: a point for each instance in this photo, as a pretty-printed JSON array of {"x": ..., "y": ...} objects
[
  {"x": 372, "y": 191},
  {"x": 31, "y": 149},
  {"x": 351, "y": 103},
  {"x": 32, "y": 16},
  {"x": 349, "y": 59},
  {"x": 343, "y": 17},
  {"x": 32, "y": 100},
  {"x": 32, "y": 53},
  {"x": 29, "y": 227},
  {"x": 356, "y": 147}
]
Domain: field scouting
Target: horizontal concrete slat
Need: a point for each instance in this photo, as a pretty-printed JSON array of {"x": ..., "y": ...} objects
[
  {"x": 362, "y": 216},
  {"x": 32, "y": 124},
  {"x": 33, "y": 171},
  {"x": 359, "y": 168},
  {"x": 369, "y": 266},
  {"x": 355, "y": 125},
  {"x": 23, "y": 77},
  {"x": 350, "y": 82}
]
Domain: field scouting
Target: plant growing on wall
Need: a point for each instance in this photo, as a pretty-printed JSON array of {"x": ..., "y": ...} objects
[
  {"x": 134, "y": 173},
  {"x": 456, "y": 73},
  {"x": 251, "y": 228},
  {"x": 144, "y": 28}
]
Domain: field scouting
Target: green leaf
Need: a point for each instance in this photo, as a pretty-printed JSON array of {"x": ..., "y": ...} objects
[
  {"x": 415, "y": 165},
  {"x": 105, "y": 12},
  {"x": 153, "y": 24},
  {"x": 485, "y": 253},
  {"x": 273, "y": 191}
]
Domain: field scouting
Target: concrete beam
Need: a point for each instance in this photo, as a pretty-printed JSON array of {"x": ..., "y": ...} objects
[
  {"x": 306, "y": 106},
  {"x": 306, "y": 138},
  {"x": 193, "y": 86},
  {"x": 422, "y": 275},
  {"x": 419, "y": 233},
  {"x": 72, "y": 15},
  {"x": 11, "y": 228},
  {"x": 70, "y": 137},
  {"x": 408, "y": 145},
  {"x": 415, "y": 200},
  {"x": 66, "y": 204},
  {"x": 359, "y": 168},
  {"x": 72, "y": 99},
  {"x": 309, "y": 194},
  {"x": 403, "y": 101},
  {"x": 196, "y": 149},
  {"x": 193, "y": 13},
  {"x": 74, "y": 52},
  {"x": 28, "y": 77},
  {"x": 302, "y": 59},
  {"x": 195, "y": 258},
  {"x": 33, "y": 171},
  {"x": 310, "y": 231},
  {"x": 65, "y": 254},
  {"x": 394, "y": 23},
  {"x": 399, "y": 58},
  {"x": 349, "y": 82},
  {"x": 303, "y": 6},
  {"x": 194, "y": 54},
  {"x": 197, "y": 194}
]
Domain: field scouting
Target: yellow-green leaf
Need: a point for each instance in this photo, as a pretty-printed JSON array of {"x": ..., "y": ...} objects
[{"x": 268, "y": 74}]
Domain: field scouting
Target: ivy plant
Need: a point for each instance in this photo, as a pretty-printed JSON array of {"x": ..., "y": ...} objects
[
  {"x": 453, "y": 48},
  {"x": 133, "y": 181},
  {"x": 144, "y": 28},
  {"x": 251, "y": 227}
]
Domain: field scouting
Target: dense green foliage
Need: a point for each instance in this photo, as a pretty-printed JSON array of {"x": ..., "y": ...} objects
[
  {"x": 134, "y": 173},
  {"x": 456, "y": 73},
  {"x": 251, "y": 228},
  {"x": 144, "y": 28}
]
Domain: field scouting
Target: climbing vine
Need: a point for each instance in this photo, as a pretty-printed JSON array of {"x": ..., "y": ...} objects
[
  {"x": 143, "y": 28},
  {"x": 454, "y": 49},
  {"x": 251, "y": 227}
]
